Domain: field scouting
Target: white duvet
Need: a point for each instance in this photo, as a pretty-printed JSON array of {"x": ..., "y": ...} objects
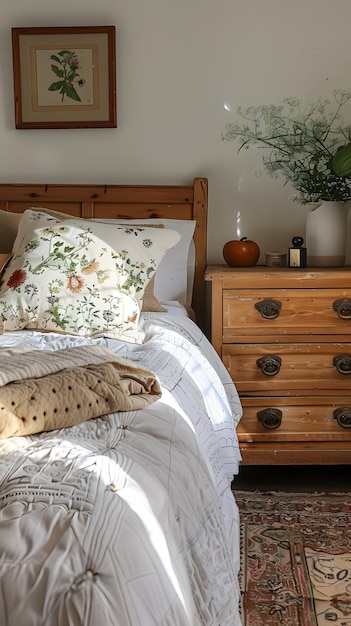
[{"x": 128, "y": 519}]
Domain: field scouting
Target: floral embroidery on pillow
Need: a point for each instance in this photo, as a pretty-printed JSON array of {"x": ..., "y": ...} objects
[{"x": 65, "y": 278}]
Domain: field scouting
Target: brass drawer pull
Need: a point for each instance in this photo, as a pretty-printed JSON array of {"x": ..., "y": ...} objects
[
  {"x": 343, "y": 308},
  {"x": 269, "y": 308},
  {"x": 270, "y": 418},
  {"x": 269, "y": 364},
  {"x": 343, "y": 416},
  {"x": 342, "y": 363}
]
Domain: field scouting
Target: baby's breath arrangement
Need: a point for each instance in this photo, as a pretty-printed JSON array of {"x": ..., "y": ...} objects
[{"x": 301, "y": 139}]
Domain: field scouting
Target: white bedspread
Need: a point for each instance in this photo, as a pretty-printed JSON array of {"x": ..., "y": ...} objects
[{"x": 128, "y": 519}]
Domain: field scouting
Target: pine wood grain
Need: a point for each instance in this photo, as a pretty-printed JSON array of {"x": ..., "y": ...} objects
[{"x": 306, "y": 335}]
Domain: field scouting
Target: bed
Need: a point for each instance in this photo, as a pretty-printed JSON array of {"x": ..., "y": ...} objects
[{"x": 117, "y": 418}]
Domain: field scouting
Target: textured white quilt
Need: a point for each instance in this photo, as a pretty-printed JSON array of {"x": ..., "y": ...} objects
[{"x": 127, "y": 519}]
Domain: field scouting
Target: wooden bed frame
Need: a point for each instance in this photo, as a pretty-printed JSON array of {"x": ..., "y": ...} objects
[{"x": 186, "y": 202}]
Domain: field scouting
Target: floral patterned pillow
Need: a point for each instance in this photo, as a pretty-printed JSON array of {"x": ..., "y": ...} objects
[{"x": 78, "y": 278}]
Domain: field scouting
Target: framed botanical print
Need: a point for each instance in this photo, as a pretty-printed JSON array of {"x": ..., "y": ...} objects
[{"x": 65, "y": 77}]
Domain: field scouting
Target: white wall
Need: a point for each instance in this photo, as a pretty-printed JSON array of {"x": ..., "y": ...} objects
[{"x": 178, "y": 63}]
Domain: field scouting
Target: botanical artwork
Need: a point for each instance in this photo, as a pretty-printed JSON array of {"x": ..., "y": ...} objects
[
  {"x": 65, "y": 76},
  {"x": 66, "y": 68}
]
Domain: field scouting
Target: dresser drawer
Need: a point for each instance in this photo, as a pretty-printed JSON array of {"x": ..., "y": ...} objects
[
  {"x": 285, "y": 312},
  {"x": 295, "y": 419},
  {"x": 284, "y": 336},
  {"x": 289, "y": 369}
]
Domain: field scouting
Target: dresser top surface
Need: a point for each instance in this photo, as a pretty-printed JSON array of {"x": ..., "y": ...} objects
[{"x": 262, "y": 275}]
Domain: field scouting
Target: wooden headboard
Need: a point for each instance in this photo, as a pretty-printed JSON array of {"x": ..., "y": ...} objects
[{"x": 186, "y": 202}]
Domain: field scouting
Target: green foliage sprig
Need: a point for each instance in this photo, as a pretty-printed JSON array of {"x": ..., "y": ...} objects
[
  {"x": 301, "y": 140},
  {"x": 66, "y": 71}
]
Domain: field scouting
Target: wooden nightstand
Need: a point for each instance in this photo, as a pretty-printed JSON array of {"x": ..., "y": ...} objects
[{"x": 284, "y": 335}]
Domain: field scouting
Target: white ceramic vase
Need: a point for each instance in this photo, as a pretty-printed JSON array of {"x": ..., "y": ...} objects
[{"x": 326, "y": 233}]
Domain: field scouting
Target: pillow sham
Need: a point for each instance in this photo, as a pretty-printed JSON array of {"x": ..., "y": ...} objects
[
  {"x": 4, "y": 260},
  {"x": 150, "y": 302},
  {"x": 80, "y": 278},
  {"x": 175, "y": 275},
  {"x": 9, "y": 223}
]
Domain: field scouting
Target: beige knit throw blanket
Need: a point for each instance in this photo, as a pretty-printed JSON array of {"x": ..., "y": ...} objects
[{"x": 46, "y": 390}]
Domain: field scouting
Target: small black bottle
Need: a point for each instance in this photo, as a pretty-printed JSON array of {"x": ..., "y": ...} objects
[{"x": 297, "y": 256}]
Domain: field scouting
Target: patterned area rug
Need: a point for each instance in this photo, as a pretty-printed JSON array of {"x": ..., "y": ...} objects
[{"x": 295, "y": 559}]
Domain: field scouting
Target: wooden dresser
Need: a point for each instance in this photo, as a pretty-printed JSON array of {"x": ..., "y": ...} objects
[{"x": 285, "y": 337}]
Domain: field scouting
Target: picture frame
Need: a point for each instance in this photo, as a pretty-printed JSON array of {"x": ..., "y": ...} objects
[{"x": 65, "y": 77}]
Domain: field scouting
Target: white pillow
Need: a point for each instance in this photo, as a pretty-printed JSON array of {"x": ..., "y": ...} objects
[
  {"x": 175, "y": 275},
  {"x": 79, "y": 277},
  {"x": 174, "y": 278}
]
